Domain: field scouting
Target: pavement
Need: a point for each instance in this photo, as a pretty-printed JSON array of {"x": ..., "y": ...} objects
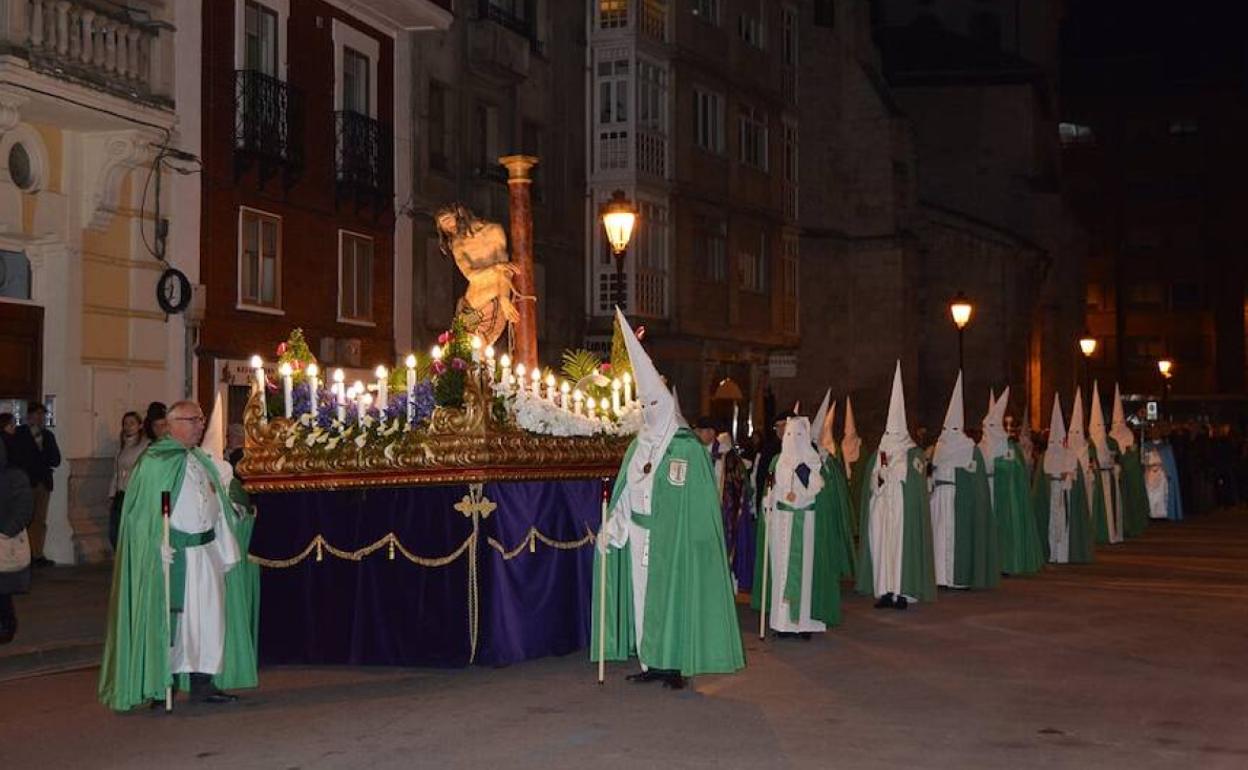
[{"x": 1137, "y": 661}]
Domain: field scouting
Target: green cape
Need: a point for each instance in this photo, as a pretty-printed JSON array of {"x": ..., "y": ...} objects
[
  {"x": 1021, "y": 550},
  {"x": 135, "y": 667},
  {"x": 976, "y": 555},
  {"x": 829, "y": 566},
  {"x": 690, "y": 616},
  {"x": 918, "y": 566},
  {"x": 1097, "y": 503},
  {"x": 1081, "y": 534},
  {"x": 854, "y": 482},
  {"x": 1131, "y": 486}
]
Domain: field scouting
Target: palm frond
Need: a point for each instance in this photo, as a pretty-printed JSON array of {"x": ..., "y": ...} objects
[{"x": 579, "y": 364}]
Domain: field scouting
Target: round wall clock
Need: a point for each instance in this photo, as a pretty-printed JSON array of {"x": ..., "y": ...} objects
[{"x": 173, "y": 291}]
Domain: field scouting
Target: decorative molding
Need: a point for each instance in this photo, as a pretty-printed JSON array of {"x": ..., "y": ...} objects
[
  {"x": 124, "y": 363},
  {"x": 10, "y": 110},
  {"x": 123, "y": 312},
  {"x": 109, "y": 158}
]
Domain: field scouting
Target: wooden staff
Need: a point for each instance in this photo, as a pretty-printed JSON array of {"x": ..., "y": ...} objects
[
  {"x": 762, "y": 602},
  {"x": 164, "y": 515},
  {"x": 602, "y": 588}
]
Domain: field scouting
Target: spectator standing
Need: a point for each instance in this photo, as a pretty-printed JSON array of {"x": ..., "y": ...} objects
[
  {"x": 156, "y": 423},
  {"x": 131, "y": 444},
  {"x": 35, "y": 451},
  {"x": 16, "y": 509}
]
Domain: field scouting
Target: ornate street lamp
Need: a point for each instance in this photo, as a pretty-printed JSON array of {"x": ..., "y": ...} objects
[
  {"x": 1166, "y": 367},
  {"x": 618, "y": 218},
  {"x": 960, "y": 309}
]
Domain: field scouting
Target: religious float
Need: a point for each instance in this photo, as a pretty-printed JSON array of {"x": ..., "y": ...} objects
[{"x": 445, "y": 513}]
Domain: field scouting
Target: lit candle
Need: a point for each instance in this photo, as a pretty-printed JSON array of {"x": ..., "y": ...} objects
[
  {"x": 564, "y": 390},
  {"x": 550, "y": 388},
  {"x": 476, "y": 349},
  {"x": 257, "y": 365},
  {"x": 536, "y": 377},
  {"x": 340, "y": 391},
  {"x": 437, "y": 352},
  {"x": 362, "y": 405},
  {"x": 411, "y": 390},
  {"x": 578, "y": 399},
  {"x": 356, "y": 393},
  {"x": 287, "y": 385},
  {"x": 312, "y": 371},
  {"x": 382, "y": 387},
  {"x": 489, "y": 361},
  {"x": 628, "y": 388},
  {"x": 615, "y": 396},
  {"x": 593, "y": 407},
  {"x": 519, "y": 380}
]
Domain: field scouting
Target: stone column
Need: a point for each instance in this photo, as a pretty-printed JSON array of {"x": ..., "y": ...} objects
[{"x": 524, "y": 332}]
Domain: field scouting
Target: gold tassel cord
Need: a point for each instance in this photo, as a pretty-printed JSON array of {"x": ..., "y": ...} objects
[
  {"x": 389, "y": 541},
  {"x": 531, "y": 540}
]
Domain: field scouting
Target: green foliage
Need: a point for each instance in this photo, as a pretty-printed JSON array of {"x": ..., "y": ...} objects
[
  {"x": 620, "y": 362},
  {"x": 579, "y": 364},
  {"x": 295, "y": 351}
]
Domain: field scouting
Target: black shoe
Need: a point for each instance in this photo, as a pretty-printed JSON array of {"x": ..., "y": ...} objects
[
  {"x": 42, "y": 561},
  {"x": 884, "y": 602},
  {"x": 219, "y": 696},
  {"x": 805, "y": 636},
  {"x": 673, "y": 680},
  {"x": 644, "y": 677},
  {"x": 785, "y": 634},
  {"x": 901, "y": 603}
]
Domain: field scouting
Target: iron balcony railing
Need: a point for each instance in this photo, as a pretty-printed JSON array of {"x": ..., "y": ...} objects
[
  {"x": 266, "y": 123},
  {"x": 524, "y": 27},
  {"x": 363, "y": 154}
]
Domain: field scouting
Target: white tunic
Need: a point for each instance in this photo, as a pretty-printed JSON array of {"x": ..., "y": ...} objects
[
  {"x": 887, "y": 524},
  {"x": 944, "y": 527},
  {"x": 200, "y": 641},
  {"x": 779, "y": 541},
  {"x": 1059, "y": 519},
  {"x": 1157, "y": 484}
]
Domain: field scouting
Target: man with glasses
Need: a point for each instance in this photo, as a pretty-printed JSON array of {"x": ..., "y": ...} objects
[{"x": 205, "y": 630}]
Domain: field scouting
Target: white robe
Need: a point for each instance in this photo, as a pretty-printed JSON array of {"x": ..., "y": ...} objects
[
  {"x": 1059, "y": 519},
  {"x": 887, "y": 524},
  {"x": 200, "y": 643},
  {"x": 943, "y": 501},
  {"x": 1157, "y": 484}
]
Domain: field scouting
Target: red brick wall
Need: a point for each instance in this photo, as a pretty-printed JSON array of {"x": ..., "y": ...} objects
[{"x": 311, "y": 214}]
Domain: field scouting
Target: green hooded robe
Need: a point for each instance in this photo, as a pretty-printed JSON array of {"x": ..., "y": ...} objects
[
  {"x": 135, "y": 667},
  {"x": 690, "y": 621},
  {"x": 1082, "y": 534},
  {"x": 976, "y": 556},
  {"x": 1021, "y": 550},
  {"x": 918, "y": 567},
  {"x": 1131, "y": 487}
]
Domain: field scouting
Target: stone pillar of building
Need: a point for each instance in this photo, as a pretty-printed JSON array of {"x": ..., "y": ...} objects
[{"x": 519, "y": 183}]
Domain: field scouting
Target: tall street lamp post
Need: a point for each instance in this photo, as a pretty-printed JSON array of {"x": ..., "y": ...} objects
[
  {"x": 961, "y": 309},
  {"x": 618, "y": 218}
]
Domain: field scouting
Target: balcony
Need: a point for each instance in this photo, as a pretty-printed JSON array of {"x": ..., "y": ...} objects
[
  {"x": 500, "y": 43},
  {"x": 362, "y": 159},
  {"x": 267, "y": 126},
  {"x": 94, "y": 44}
]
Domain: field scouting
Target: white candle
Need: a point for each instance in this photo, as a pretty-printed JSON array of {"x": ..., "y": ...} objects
[
  {"x": 628, "y": 388},
  {"x": 550, "y": 388},
  {"x": 593, "y": 407},
  {"x": 564, "y": 390},
  {"x": 287, "y": 385},
  {"x": 411, "y": 390},
  {"x": 504, "y": 371},
  {"x": 476, "y": 349},
  {"x": 356, "y": 394},
  {"x": 437, "y": 352},
  {"x": 519, "y": 380},
  {"x": 340, "y": 391},
  {"x": 383, "y": 386},
  {"x": 578, "y": 399},
  {"x": 312, "y": 371},
  {"x": 257, "y": 365},
  {"x": 536, "y": 377},
  {"x": 361, "y": 406},
  {"x": 615, "y": 396},
  {"x": 489, "y": 362}
]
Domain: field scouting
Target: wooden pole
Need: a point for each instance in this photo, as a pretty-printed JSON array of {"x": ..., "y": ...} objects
[
  {"x": 519, "y": 183},
  {"x": 762, "y": 599},
  {"x": 165, "y": 512},
  {"x": 602, "y": 587}
]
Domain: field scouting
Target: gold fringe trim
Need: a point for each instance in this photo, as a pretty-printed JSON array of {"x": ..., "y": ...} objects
[
  {"x": 389, "y": 541},
  {"x": 531, "y": 540}
]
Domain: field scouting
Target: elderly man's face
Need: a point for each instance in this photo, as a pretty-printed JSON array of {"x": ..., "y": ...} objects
[{"x": 186, "y": 425}]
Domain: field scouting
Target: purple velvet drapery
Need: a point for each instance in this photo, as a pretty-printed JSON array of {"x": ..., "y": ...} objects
[{"x": 377, "y": 610}]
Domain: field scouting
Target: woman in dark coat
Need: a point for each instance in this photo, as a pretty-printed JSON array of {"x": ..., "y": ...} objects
[{"x": 17, "y": 507}]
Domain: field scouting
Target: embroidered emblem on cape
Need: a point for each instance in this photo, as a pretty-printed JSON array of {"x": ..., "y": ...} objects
[
  {"x": 919, "y": 462},
  {"x": 972, "y": 466},
  {"x": 1009, "y": 454},
  {"x": 676, "y": 471}
]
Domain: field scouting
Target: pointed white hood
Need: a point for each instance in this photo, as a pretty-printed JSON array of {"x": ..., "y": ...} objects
[
  {"x": 1057, "y": 457},
  {"x": 796, "y": 449},
  {"x": 816, "y": 423},
  {"x": 660, "y": 421},
  {"x": 896, "y": 440},
  {"x": 851, "y": 442},
  {"x": 827, "y": 440},
  {"x": 995, "y": 440},
  {"x": 680, "y": 416},
  {"x": 1120, "y": 430},
  {"x": 954, "y": 449},
  {"x": 1096, "y": 430},
  {"x": 1076, "y": 437}
]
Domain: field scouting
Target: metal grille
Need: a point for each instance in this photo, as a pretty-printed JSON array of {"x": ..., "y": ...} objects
[
  {"x": 266, "y": 118},
  {"x": 362, "y": 158}
]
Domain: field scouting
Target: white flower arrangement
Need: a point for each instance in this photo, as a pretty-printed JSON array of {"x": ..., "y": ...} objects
[{"x": 538, "y": 415}]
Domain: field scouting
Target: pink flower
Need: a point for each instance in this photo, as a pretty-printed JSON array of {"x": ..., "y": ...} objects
[
  {"x": 459, "y": 364},
  {"x": 438, "y": 367},
  {"x": 606, "y": 368},
  {"x": 281, "y": 349},
  {"x": 444, "y": 338}
]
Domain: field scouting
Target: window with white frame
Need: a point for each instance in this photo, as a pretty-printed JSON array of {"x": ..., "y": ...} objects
[
  {"x": 613, "y": 91},
  {"x": 752, "y": 137},
  {"x": 790, "y": 278},
  {"x": 260, "y": 36},
  {"x": 653, "y": 20},
  {"x": 651, "y": 95},
  {"x": 707, "y": 10},
  {"x": 752, "y": 263},
  {"x": 708, "y": 120},
  {"x": 790, "y": 170},
  {"x": 355, "y": 61},
  {"x": 259, "y": 259},
  {"x": 14, "y": 275},
  {"x": 788, "y": 36},
  {"x": 355, "y": 277},
  {"x": 750, "y": 27},
  {"x": 612, "y": 14},
  {"x": 650, "y": 293}
]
